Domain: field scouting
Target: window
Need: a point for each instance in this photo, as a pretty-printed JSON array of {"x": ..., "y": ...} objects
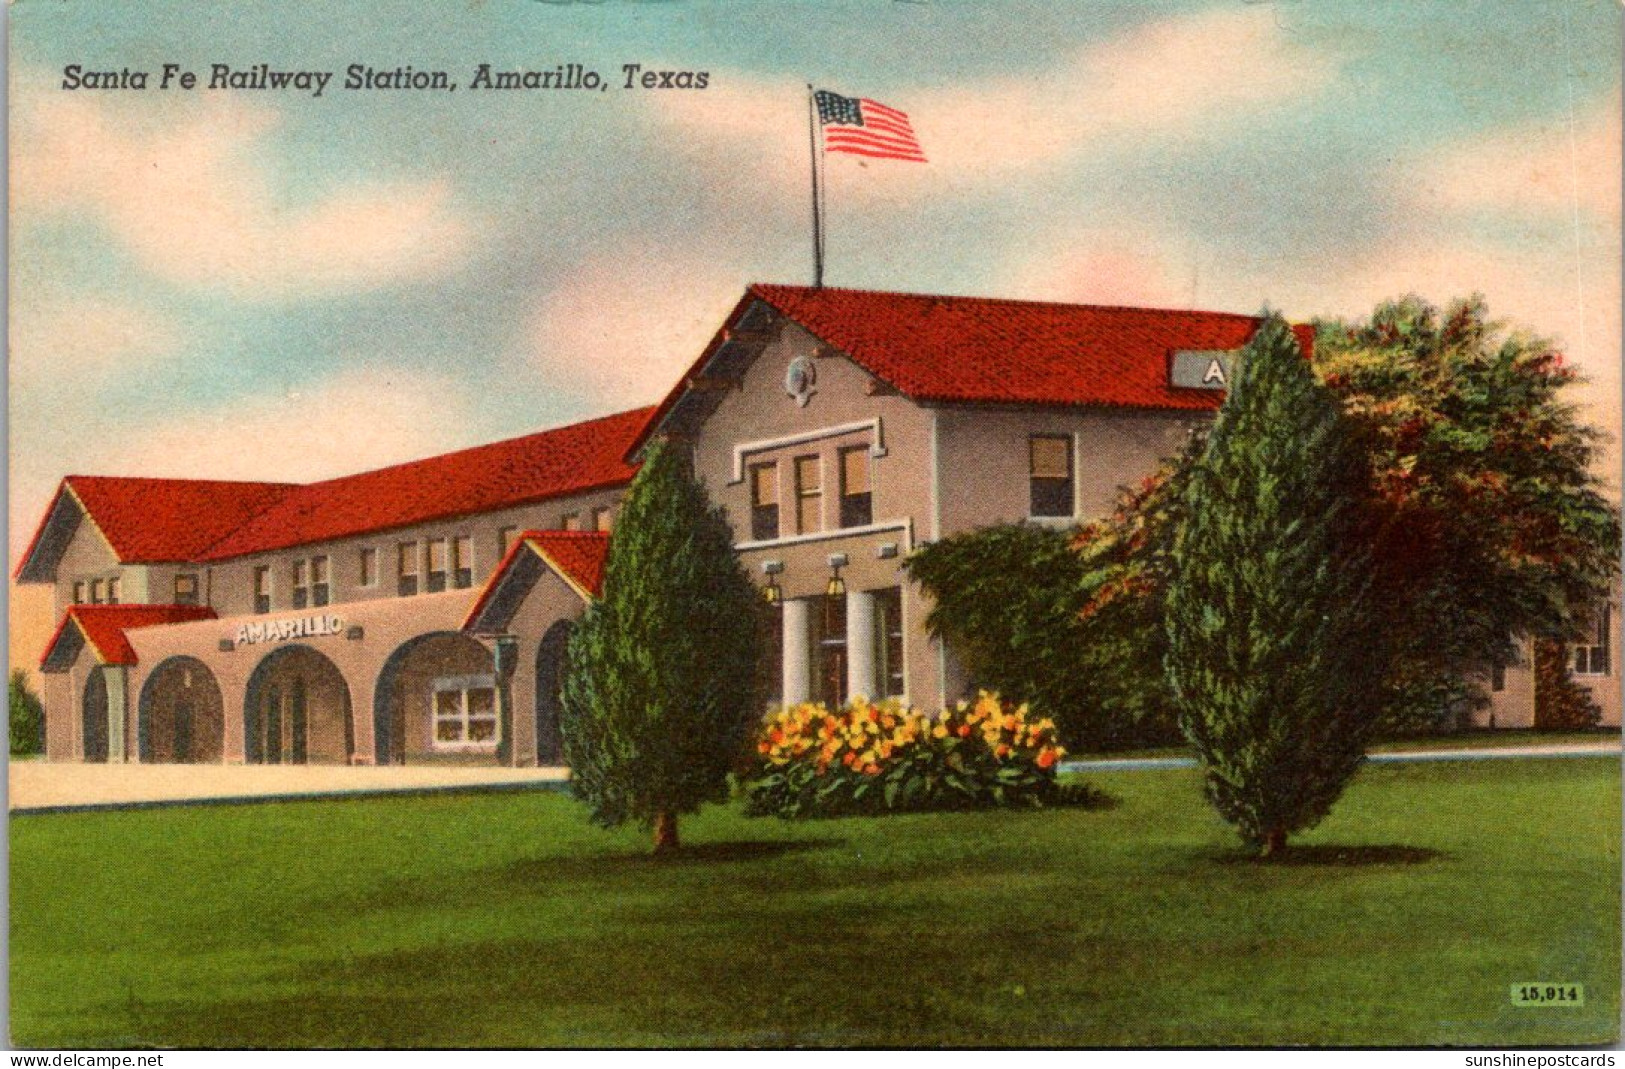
[
  {"x": 262, "y": 588},
  {"x": 78, "y": 591},
  {"x": 462, "y": 561},
  {"x": 506, "y": 538},
  {"x": 320, "y": 581},
  {"x": 602, "y": 518},
  {"x": 301, "y": 583},
  {"x": 764, "y": 502},
  {"x": 1498, "y": 677},
  {"x": 369, "y": 567},
  {"x": 1050, "y": 468},
  {"x": 889, "y": 641},
  {"x": 185, "y": 588},
  {"x": 857, "y": 503},
  {"x": 437, "y": 565},
  {"x": 809, "y": 495},
  {"x": 406, "y": 569},
  {"x": 96, "y": 592},
  {"x": 570, "y": 521},
  {"x": 465, "y": 713},
  {"x": 112, "y": 591},
  {"x": 1592, "y": 658}
]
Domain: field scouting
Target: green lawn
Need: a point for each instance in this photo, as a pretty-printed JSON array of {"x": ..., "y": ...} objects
[
  {"x": 1477, "y": 739},
  {"x": 505, "y": 919}
]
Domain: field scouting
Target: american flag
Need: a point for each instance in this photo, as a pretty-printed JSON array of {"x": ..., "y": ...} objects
[{"x": 864, "y": 128}]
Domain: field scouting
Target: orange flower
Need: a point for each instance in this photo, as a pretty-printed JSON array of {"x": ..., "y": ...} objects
[
  {"x": 964, "y": 731},
  {"x": 1046, "y": 759},
  {"x": 1002, "y": 752},
  {"x": 848, "y": 757}
]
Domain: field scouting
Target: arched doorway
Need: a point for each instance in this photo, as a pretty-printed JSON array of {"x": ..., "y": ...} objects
[
  {"x": 549, "y": 683},
  {"x": 181, "y": 717},
  {"x": 94, "y": 716},
  {"x": 296, "y": 711},
  {"x": 436, "y": 702}
]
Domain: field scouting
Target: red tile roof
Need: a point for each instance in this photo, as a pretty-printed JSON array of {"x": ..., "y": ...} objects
[
  {"x": 104, "y": 627},
  {"x": 977, "y": 349},
  {"x": 521, "y": 471},
  {"x": 576, "y": 556},
  {"x": 149, "y": 521}
]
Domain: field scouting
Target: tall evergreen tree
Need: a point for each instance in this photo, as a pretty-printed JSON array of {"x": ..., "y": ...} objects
[
  {"x": 660, "y": 695},
  {"x": 1274, "y": 655},
  {"x": 27, "y": 717}
]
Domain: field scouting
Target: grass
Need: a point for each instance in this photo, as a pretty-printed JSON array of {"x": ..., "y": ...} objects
[
  {"x": 505, "y": 919},
  {"x": 1476, "y": 739}
]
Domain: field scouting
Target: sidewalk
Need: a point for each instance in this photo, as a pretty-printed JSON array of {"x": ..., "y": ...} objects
[{"x": 37, "y": 786}]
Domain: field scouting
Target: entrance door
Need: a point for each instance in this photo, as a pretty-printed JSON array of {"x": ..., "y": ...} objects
[
  {"x": 183, "y": 732},
  {"x": 95, "y": 717},
  {"x": 271, "y": 745},
  {"x": 297, "y": 717}
]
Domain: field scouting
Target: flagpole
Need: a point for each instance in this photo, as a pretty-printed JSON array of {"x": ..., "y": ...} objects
[{"x": 817, "y": 210}]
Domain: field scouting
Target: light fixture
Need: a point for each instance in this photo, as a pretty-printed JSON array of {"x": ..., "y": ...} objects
[
  {"x": 837, "y": 585},
  {"x": 771, "y": 592}
]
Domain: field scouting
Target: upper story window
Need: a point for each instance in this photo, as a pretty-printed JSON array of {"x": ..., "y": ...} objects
[
  {"x": 321, "y": 577},
  {"x": 809, "y": 494},
  {"x": 368, "y": 568},
  {"x": 406, "y": 569},
  {"x": 462, "y": 561},
  {"x": 857, "y": 502},
  {"x": 301, "y": 583},
  {"x": 186, "y": 588},
  {"x": 505, "y": 539},
  {"x": 1049, "y": 459},
  {"x": 96, "y": 595},
  {"x": 78, "y": 591},
  {"x": 112, "y": 590},
  {"x": 603, "y": 518},
  {"x": 1593, "y": 658},
  {"x": 764, "y": 502},
  {"x": 570, "y": 521},
  {"x": 262, "y": 588},
  {"x": 437, "y": 565}
]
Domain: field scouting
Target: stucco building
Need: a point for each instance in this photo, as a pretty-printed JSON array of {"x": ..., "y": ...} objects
[{"x": 418, "y": 613}]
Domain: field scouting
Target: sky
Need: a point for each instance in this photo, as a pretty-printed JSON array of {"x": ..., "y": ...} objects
[{"x": 272, "y": 285}]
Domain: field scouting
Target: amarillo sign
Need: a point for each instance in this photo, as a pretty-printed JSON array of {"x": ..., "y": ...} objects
[{"x": 284, "y": 630}]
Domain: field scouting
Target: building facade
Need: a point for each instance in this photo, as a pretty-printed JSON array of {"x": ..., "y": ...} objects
[{"x": 418, "y": 614}]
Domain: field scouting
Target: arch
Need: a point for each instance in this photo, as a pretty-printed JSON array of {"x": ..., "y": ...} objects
[
  {"x": 441, "y": 671},
  {"x": 296, "y": 710},
  {"x": 181, "y": 715},
  {"x": 93, "y": 716},
  {"x": 550, "y": 669}
]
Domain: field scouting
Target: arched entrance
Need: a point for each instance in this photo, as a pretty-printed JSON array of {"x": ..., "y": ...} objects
[
  {"x": 549, "y": 683},
  {"x": 436, "y": 702},
  {"x": 181, "y": 717},
  {"x": 94, "y": 716},
  {"x": 296, "y": 711}
]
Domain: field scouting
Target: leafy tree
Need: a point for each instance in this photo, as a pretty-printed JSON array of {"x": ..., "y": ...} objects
[
  {"x": 1485, "y": 518},
  {"x": 660, "y": 697},
  {"x": 1272, "y": 639},
  {"x": 27, "y": 717}
]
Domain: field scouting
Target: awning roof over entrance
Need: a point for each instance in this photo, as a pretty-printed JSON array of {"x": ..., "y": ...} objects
[
  {"x": 577, "y": 557},
  {"x": 103, "y": 627}
]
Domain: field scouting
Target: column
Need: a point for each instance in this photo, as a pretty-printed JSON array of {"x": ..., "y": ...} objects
[
  {"x": 797, "y": 650},
  {"x": 860, "y": 643},
  {"x": 117, "y": 713}
]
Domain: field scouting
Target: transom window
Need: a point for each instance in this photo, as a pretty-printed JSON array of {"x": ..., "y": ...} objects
[
  {"x": 1593, "y": 658},
  {"x": 465, "y": 713},
  {"x": 764, "y": 502},
  {"x": 857, "y": 503},
  {"x": 809, "y": 494},
  {"x": 1049, "y": 465}
]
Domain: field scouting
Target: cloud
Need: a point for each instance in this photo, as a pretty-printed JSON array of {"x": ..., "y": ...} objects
[
  {"x": 1116, "y": 266},
  {"x": 86, "y": 337},
  {"x": 194, "y": 203},
  {"x": 625, "y": 325},
  {"x": 359, "y": 419},
  {"x": 1560, "y": 165},
  {"x": 1186, "y": 77}
]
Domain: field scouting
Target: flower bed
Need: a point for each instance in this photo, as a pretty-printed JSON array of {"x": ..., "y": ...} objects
[{"x": 883, "y": 757}]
